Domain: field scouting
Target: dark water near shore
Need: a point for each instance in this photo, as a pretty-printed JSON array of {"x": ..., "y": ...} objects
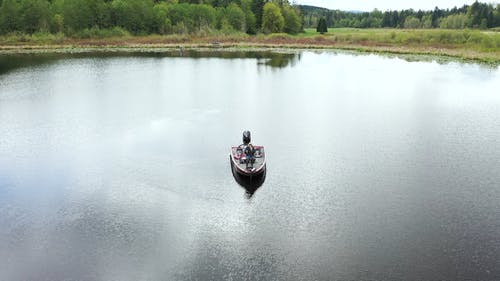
[{"x": 116, "y": 168}]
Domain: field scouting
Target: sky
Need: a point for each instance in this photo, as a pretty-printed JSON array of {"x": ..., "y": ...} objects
[{"x": 369, "y": 5}]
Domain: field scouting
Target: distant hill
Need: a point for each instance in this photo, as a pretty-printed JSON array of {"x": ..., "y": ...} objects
[
  {"x": 311, "y": 14},
  {"x": 478, "y": 15},
  {"x": 309, "y": 8}
]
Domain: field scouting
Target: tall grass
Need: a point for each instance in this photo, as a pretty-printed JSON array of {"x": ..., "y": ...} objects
[
  {"x": 17, "y": 38},
  {"x": 474, "y": 39},
  {"x": 474, "y": 44}
]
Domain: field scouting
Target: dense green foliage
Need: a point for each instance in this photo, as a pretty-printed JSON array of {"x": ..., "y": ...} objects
[
  {"x": 477, "y": 15},
  {"x": 322, "y": 27},
  {"x": 469, "y": 39},
  {"x": 272, "y": 19},
  {"x": 82, "y": 18}
]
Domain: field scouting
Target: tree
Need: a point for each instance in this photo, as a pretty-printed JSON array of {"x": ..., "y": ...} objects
[
  {"x": 236, "y": 17},
  {"x": 293, "y": 24},
  {"x": 214, "y": 3},
  {"x": 58, "y": 23},
  {"x": 162, "y": 23},
  {"x": 35, "y": 15},
  {"x": 395, "y": 19},
  {"x": 78, "y": 14},
  {"x": 180, "y": 16},
  {"x": 412, "y": 22},
  {"x": 376, "y": 18},
  {"x": 200, "y": 16},
  {"x": 250, "y": 19},
  {"x": 473, "y": 14},
  {"x": 322, "y": 28},
  {"x": 496, "y": 15},
  {"x": 203, "y": 16},
  {"x": 458, "y": 21},
  {"x": 427, "y": 21},
  {"x": 272, "y": 19},
  {"x": 103, "y": 12},
  {"x": 258, "y": 11},
  {"x": 387, "y": 20},
  {"x": 134, "y": 15},
  {"x": 9, "y": 16},
  {"x": 436, "y": 15}
]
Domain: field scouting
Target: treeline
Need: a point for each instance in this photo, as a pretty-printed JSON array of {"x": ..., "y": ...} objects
[
  {"x": 477, "y": 15},
  {"x": 118, "y": 17}
]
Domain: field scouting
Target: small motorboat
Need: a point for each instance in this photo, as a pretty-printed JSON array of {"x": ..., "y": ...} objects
[{"x": 248, "y": 160}]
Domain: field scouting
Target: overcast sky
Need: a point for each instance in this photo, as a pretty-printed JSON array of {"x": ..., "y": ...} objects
[{"x": 369, "y": 5}]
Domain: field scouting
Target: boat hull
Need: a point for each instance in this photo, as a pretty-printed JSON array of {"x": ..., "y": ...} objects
[{"x": 250, "y": 182}]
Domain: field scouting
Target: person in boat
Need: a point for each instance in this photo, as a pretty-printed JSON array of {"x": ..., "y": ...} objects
[{"x": 248, "y": 148}]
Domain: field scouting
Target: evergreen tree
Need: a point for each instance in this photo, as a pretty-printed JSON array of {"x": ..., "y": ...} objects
[
  {"x": 496, "y": 16},
  {"x": 322, "y": 28},
  {"x": 387, "y": 20},
  {"x": 258, "y": 11}
]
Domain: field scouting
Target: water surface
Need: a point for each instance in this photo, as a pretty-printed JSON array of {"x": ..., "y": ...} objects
[{"x": 116, "y": 168}]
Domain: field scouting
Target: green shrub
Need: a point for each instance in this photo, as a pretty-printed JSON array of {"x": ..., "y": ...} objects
[
  {"x": 475, "y": 38},
  {"x": 282, "y": 36}
]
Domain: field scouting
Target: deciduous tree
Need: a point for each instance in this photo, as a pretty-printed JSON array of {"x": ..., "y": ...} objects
[
  {"x": 293, "y": 24},
  {"x": 35, "y": 15},
  {"x": 412, "y": 22},
  {"x": 9, "y": 16},
  {"x": 272, "y": 19},
  {"x": 134, "y": 15},
  {"x": 236, "y": 17},
  {"x": 250, "y": 19}
]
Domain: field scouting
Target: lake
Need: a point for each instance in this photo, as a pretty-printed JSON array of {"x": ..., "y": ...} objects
[{"x": 115, "y": 167}]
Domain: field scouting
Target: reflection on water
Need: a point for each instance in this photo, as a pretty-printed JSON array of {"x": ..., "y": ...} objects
[
  {"x": 11, "y": 62},
  {"x": 250, "y": 184},
  {"x": 281, "y": 60},
  {"x": 115, "y": 167},
  {"x": 268, "y": 58}
]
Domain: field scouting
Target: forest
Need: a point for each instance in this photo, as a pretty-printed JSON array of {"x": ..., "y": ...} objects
[
  {"x": 141, "y": 17},
  {"x": 88, "y": 18},
  {"x": 477, "y": 15}
]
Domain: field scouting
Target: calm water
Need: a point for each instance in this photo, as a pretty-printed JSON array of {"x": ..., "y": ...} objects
[{"x": 116, "y": 168}]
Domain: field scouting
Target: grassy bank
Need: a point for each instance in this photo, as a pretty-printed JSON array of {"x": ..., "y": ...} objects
[{"x": 464, "y": 44}]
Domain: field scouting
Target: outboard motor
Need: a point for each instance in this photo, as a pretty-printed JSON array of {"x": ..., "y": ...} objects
[{"x": 246, "y": 137}]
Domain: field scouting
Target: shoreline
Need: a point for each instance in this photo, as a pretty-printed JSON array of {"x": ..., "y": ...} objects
[{"x": 156, "y": 44}]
